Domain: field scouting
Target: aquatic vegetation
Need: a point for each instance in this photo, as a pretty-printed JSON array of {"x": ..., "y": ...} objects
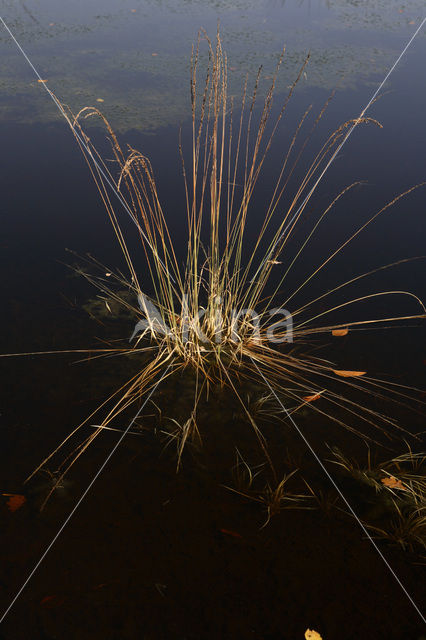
[
  {"x": 227, "y": 316},
  {"x": 278, "y": 497},
  {"x": 397, "y": 505},
  {"x": 406, "y": 528},
  {"x": 326, "y": 500},
  {"x": 275, "y": 497},
  {"x": 403, "y": 476},
  {"x": 243, "y": 475}
]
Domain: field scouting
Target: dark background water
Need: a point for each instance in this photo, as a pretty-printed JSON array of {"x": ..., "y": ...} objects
[{"x": 104, "y": 50}]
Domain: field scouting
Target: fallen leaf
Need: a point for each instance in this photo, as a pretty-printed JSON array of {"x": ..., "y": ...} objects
[
  {"x": 313, "y": 397},
  {"x": 412, "y": 22},
  {"x": 100, "y": 100},
  {"x": 40, "y": 80},
  {"x": 49, "y": 602},
  {"x": 15, "y": 501},
  {"x": 51, "y": 24},
  {"x": 154, "y": 54},
  {"x": 349, "y": 374},
  {"x": 310, "y": 634},
  {"x": 339, "y": 333},
  {"x": 393, "y": 483},
  {"x": 133, "y": 10},
  {"x": 233, "y": 534}
]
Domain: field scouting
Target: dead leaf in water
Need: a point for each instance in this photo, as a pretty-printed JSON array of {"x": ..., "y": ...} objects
[
  {"x": 348, "y": 374},
  {"x": 313, "y": 397},
  {"x": 310, "y": 634},
  {"x": 15, "y": 501},
  {"x": 233, "y": 534},
  {"x": 393, "y": 483},
  {"x": 50, "y": 602},
  {"x": 339, "y": 333},
  {"x": 40, "y": 80}
]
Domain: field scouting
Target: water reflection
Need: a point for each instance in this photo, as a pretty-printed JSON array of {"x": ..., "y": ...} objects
[{"x": 134, "y": 56}]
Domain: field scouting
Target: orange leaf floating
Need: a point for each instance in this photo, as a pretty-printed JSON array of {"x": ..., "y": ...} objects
[
  {"x": 310, "y": 634},
  {"x": 339, "y": 333},
  {"x": 349, "y": 374},
  {"x": 393, "y": 483},
  {"x": 40, "y": 80},
  {"x": 312, "y": 398},
  {"x": 15, "y": 501},
  {"x": 49, "y": 602},
  {"x": 233, "y": 534}
]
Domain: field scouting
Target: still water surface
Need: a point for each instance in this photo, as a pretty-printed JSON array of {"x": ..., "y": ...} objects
[{"x": 131, "y": 59}]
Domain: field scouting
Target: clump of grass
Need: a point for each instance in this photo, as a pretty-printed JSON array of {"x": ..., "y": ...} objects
[
  {"x": 278, "y": 497},
  {"x": 399, "y": 485},
  {"x": 275, "y": 496},
  {"x": 406, "y": 528},
  {"x": 403, "y": 476},
  {"x": 183, "y": 433},
  {"x": 200, "y": 316},
  {"x": 243, "y": 474}
]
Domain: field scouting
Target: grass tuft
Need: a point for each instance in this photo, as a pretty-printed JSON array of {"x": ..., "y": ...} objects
[{"x": 227, "y": 312}]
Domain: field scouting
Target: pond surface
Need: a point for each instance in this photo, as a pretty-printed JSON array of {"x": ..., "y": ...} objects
[{"x": 152, "y": 553}]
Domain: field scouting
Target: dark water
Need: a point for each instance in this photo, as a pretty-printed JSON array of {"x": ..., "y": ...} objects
[{"x": 149, "y": 554}]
